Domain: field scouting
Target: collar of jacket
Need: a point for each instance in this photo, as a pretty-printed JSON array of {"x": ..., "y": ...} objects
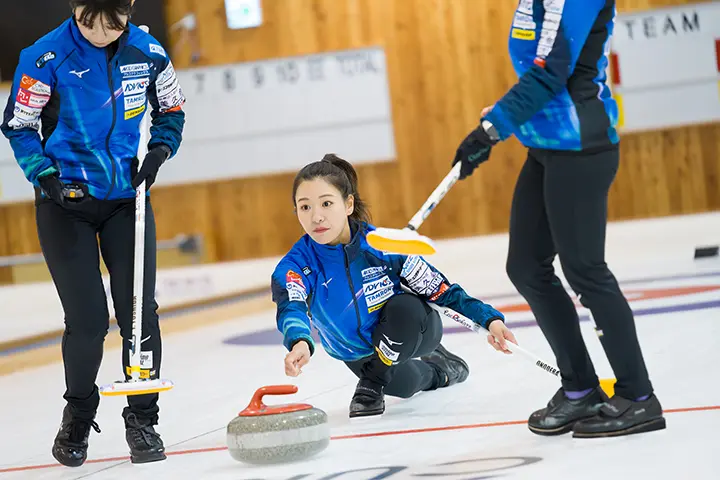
[
  {"x": 352, "y": 249},
  {"x": 84, "y": 45}
]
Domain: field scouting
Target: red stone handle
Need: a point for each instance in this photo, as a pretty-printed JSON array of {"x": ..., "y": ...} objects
[
  {"x": 257, "y": 404},
  {"x": 257, "y": 407}
]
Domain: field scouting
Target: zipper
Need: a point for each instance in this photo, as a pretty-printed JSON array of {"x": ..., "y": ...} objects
[
  {"x": 112, "y": 126},
  {"x": 354, "y": 300}
]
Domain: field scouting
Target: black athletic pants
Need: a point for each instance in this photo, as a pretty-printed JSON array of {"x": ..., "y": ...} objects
[
  {"x": 560, "y": 208},
  {"x": 408, "y": 328},
  {"x": 69, "y": 238}
]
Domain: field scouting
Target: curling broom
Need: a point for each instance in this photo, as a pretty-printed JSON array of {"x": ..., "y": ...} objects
[{"x": 136, "y": 385}]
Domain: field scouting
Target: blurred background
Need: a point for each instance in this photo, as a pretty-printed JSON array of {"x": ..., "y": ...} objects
[{"x": 391, "y": 85}]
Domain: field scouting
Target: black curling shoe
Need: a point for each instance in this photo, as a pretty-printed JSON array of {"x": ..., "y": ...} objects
[
  {"x": 562, "y": 413},
  {"x": 71, "y": 442},
  {"x": 368, "y": 400}
]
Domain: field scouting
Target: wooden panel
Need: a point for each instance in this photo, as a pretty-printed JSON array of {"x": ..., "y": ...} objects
[{"x": 447, "y": 59}]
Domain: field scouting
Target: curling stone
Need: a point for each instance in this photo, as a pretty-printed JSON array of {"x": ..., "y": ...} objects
[{"x": 263, "y": 434}]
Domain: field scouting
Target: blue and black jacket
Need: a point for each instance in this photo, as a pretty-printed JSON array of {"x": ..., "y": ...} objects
[
  {"x": 88, "y": 103},
  {"x": 559, "y": 49},
  {"x": 340, "y": 290}
]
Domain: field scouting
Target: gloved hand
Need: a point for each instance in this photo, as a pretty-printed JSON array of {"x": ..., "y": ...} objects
[
  {"x": 475, "y": 149},
  {"x": 152, "y": 163},
  {"x": 52, "y": 187}
]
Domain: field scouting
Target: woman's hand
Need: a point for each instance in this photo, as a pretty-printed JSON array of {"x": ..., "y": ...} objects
[
  {"x": 499, "y": 334},
  {"x": 298, "y": 357}
]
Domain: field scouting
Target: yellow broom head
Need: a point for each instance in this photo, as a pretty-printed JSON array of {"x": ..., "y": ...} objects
[
  {"x": 137, "y": 387},
  {"x": 403, "y": 242}
]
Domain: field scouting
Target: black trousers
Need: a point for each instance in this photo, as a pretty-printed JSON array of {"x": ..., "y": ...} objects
[
  {"x": 69, "y": 237},
  {"x": 408, "y": 328},
  {"x": 560, "y": 208}
]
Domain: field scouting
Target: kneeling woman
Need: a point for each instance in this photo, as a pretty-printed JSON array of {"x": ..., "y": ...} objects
[{"x": 368, "y": 307}]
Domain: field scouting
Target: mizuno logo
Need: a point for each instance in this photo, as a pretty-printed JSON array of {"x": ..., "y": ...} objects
[
  {"x": 391, "y": 342},
  {"x": 79, "y": 74}
]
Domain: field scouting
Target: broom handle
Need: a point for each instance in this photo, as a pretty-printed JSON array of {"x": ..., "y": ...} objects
[
  {"x": 440, "y": 191},
  {"x": 475, "y": 327},
  {"x": 139, "y": 260}
]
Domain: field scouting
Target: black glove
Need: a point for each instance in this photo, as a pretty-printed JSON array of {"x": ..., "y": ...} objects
[
  {"x": 475, "y": 149},
  {"x": 152, "y": 163},
  {"x": 52, "y": 187}
]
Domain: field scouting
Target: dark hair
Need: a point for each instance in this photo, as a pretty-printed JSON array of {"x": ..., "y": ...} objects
[
  {"x": 340, "y": 174},
  {"x": 111, "y": 10}
]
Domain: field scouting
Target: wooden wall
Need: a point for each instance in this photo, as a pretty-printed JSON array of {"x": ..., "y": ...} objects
[{"x": 447, "y": 59}]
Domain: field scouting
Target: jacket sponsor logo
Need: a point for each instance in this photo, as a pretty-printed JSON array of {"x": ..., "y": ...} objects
[
  {"x": 44, "y": 58},
  {"x": 135, "y": 86},
  {"x": 295, "y": 287},
  {"x": 34, "y": 86},
  {"x": 134, "y": 112},
  {"x": 31, "y": 100},
  {"x": 526, "y": 6},
  {"x": 157, "y": 49},
  {"x": 524, "y": 21},
  {"x": 378, "y": 292},
  {"x": 373, "y": 272},
  {"x": 135, "y": 70},
  {"x": 25, "y": 117},
  {"x": 523, "y": 34},
  {"x": 550, "y": 26},
  {"x": 169, "y": 92},
  {"x": 134, "y": 101},
  {"x": 420, "y": 277},
  {"x": 23, "y": 96}
]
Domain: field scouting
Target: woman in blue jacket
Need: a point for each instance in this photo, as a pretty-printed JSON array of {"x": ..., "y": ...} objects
[
  {"x": 73, "y": 119},
  {"x": 368, "y": 307}
]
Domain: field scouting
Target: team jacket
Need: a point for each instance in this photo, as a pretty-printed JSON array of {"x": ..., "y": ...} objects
[
  {"x": 90, "y": 107},
  {"x": 559, "y": 50},
  {"x": 340, "y": 290}
]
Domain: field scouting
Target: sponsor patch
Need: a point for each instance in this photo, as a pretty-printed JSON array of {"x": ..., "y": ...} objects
[
  {"x": 524, "y": 21},
  {"x": 135, "y": 86},
  {"x": 134, "y": 112},
  {"x": 377, "y": 293},
  {"x": 44, "y": 58},
  {"x": 169, "y": 92},
  {"x": 550, "y": 26},
  {"x": 157, "y": 49},
  {"x": 443, "y": 288},
  {"x": 30, "y": 99},
  {"x": 307, "y": 271},
  {"x": 295, "y": 287},
  {"x": 135, "y": 70},
  {"x": 146, "y": 360},
  {"x": 34, "y": 86},
  {"x": 134, "y": 101},
  {"x": 296, "y": 293},
  {"x": 420, "y": 277},
  {"x": 523, "y": 34},
  {"x": 25, "y": 117},
  {"x": 373, "y": 272},
  {"x": 386, "y": 353},
  {"x": 526, "y": 6}
]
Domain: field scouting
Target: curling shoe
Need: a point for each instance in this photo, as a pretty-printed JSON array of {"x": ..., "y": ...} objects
[
  {"x": 451, "y": 369},
  {"x": 368, "y": 400},
  {"x": 562, "y": 413},
  {"x": 620, "y": 416},
  {"x": 144, "y": 442},
  {"x": 71, "y": 442}
]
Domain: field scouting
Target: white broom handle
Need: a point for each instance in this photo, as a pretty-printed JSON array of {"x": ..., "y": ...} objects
[
  {"x": 475, "y": 327},
  {"x": 139, "y": 260},
  {"x": 435, "y": 197}
]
